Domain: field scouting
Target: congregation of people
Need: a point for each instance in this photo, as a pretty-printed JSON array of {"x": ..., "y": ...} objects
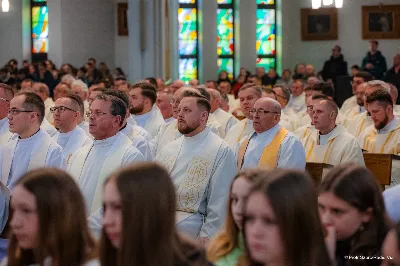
[{"x": 96, "y": 170}]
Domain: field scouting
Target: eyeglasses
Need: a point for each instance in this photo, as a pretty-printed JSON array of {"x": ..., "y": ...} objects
[
  {"x": 14, "y": 112},
  {"x": 310, "y": 108},
  {"x": 4, "y": 100},
  {"x": 95, "y": 113},
  {"x": 61, "y": 109},
  {"x": 261, "y": 112}
]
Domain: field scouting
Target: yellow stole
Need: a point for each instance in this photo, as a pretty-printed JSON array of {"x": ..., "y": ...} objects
[
  {"x": 269, "y": 156},
  {"x": 370, "y": 142}
]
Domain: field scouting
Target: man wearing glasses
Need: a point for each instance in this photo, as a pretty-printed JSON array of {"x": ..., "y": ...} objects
[
  {"x": 66, "y": 114},
  {"x": 111, "y": 149},
  {"x": 6, "y": 95},
  {"x": 32, "y": 147},
  {"x": 271, "y": 145}
]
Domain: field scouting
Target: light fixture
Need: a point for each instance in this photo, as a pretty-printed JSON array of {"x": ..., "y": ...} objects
[
  {"x": 339, "y": 3},
  {"x": 327, "y": 2},
  {"x": 5, "y": 6},
  {"x": 316, "y": 4}
]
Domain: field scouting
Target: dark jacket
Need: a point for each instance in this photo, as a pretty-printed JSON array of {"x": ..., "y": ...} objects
[
  {"x": 333, "y": 68},
  {"x": 394, "y": 78},
  {"x": 379, "y": 62}
]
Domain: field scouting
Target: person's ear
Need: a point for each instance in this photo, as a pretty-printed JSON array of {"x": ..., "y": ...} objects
[
  {"x": 204, "y": 116},
  {"x": 366, "y": 216}
]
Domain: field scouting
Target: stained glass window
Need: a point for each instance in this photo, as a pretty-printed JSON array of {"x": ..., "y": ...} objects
[
  {"x": 39, "y": 30},
  {"x": 266, "y": 34},
  {"x": 226, "y": 36},
  {"x": 188, "y": 43}
]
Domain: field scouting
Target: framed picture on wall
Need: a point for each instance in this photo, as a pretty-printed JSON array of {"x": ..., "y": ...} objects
[
  {"x": 381, "y": 22},
  {"x": 319, "y": 24},
  {"x": 122, "y": 19}
]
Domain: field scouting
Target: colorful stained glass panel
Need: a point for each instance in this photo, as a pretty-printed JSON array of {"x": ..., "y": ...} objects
[
  {"x": 40, "y": 29},
  {"x": 227, "y": 65},
  {"x": 225, "y": 31},
  {"x": 187, "y": 1},
  {"x": 39, "y": 1},
  {"x": 187, "y": 18},
  {"x": 187, "y": 69},
  {"x": 265, "y": 31},
  {"x": 224, "y": 1},
  {"x": 267, "y": 63},
  {"x": 265, "y": 2}
]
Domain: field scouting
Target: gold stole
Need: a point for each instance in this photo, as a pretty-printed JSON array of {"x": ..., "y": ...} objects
[
  {"x": 269, "y": 156},
  {"x": 369, "y": 142}
]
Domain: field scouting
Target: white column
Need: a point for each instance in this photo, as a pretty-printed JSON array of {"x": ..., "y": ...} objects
[{"x": 248, "y": 55}]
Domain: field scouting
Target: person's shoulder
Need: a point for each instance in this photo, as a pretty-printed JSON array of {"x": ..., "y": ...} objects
[{"x": 393, "y": 192}]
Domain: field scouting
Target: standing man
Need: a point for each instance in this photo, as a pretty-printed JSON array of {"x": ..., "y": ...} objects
[
  {"x": 202, "y": 167},
  {"x": 142, "y": 99},
  {"x": 271, "y": 145},
  {"x": 33, "y": 147},
  {"x": 6, "y": 95},
  {"x": 226, "y": 120},
  {"x": 336, "y": 66},
  {"x": 374, "y": 62},
  {"x": 91, "y": 164},
  {"x": 393, "y": 74},
  {"x": 67, "y": 113}
]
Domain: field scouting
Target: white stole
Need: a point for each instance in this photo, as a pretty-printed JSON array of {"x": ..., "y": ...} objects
[
  {"x": 38, "y": 154},
  {"x": 198, "y": 173},
  {"x": 112, "y": 161}
]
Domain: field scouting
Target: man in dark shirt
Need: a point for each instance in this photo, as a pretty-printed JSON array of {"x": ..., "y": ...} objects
[
  {"x": 374, "y": 62},
  {"x": 393, "y": 74}
]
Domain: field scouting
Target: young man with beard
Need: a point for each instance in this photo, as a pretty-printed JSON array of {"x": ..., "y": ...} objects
[
  {"x": 384, "y": 135},
  {"x": 142, "y": 107},
  {"x": 202, "y": 167}
]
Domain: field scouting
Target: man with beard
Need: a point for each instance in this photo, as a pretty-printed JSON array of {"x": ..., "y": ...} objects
[
  {"x": 363, "y": 120},
  {"x": 330, "y": 143},
  {"x": 202, "y": 167},
  {"x": 142, "y": 99},
  {"x": 384, "y": 135}
]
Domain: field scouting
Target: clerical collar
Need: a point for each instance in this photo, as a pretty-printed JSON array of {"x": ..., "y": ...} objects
[
  {"x": 68, "y": 133},
  {"x": 325, "y": 138},
  {"x": 199, "y": 136},
  {"x": 387, "y": 127},
  {"x": 31, "y": 136},
  {"x": 142, "y": 119},
  {"x": 105, "y": 142}
]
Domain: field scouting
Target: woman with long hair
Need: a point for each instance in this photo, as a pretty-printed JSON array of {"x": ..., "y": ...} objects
[
  {"x": 226, "y": 248},
  {"x": 48, "y": 222},
  {"x": 139, "y": 221},
  {"x": 353, "y": 213},
  {"x": 281, "y": 223}
]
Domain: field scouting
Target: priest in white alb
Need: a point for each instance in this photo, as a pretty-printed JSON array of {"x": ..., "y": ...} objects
[
  {"x": 111, "y": 149},
  {"x": 6, "y": 95},
  {"x": 248, "y": 95},
  {"x": 359, "y": 108},
  {"x": 357, "y": 126},
  {"x": 358, "y": 79},
  {"x": 80, "y": 88},
  {"x": 297, "y": 101},
  {"x": 31, "y": 147},
  {"x": 202, "y": 167},
  {"x": 384, "y": 135},
  {"x": 134, "y": 132},
  {"x": 170, "y": 132},
  {"x": 270, "y": 146},
  {"x": 143, "y": 109},
  {"x": 71, "y": 137},
  {"x": 283, "y": 97},
  {"x": 227, "y": 120},
  {"x": 330, "y": 143}
]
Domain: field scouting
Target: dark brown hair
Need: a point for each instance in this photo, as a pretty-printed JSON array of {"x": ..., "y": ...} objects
[
  {"x": 202, "y": 101},
  {"x": 325, "y": 88},
  {"x": 364, "y": 75},
  {"x": 358, "y": 187},
  {"x": 63, "y": 231},
  {"x": 148, "y": 224},
  {"x": 380, "y": 96},
  {"x": 148, "y": 90},
  {"x": 34, "y": 103},
  {"x": 293, "y": 199}
]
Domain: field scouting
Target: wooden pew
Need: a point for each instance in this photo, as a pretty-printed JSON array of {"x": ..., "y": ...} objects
[
  {"x": 381, "y": 166},
  {"x": 316, "y": 170}
]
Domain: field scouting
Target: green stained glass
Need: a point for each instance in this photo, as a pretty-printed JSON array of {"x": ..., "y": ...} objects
[
  {"x": 187, "y": 69},
  {"x": 226, "y": 64},
  {"x": 225, "y": 32},
  {"x": 265, "y": 31},
  {"x": 265, "y": 2},
  {"x": 224, "y": 1},
  {"x": 39, "y": 1},
  {"x": 267, "y": 63},
  {"x": 187, "y": 36},
  {"x": 40, "y": 29}
]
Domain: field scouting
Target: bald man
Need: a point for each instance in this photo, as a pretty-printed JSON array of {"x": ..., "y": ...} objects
[
  {"x": 163, "y": 102},
  {"x": 176, "y": 85},
  {"x": 193, "y": 82},
  {"x": 330, "y": 143},
  {"x": 270, "y": 146},
  {"x": 271, "y": 94},
  {"x": 226, "y": 120}
]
